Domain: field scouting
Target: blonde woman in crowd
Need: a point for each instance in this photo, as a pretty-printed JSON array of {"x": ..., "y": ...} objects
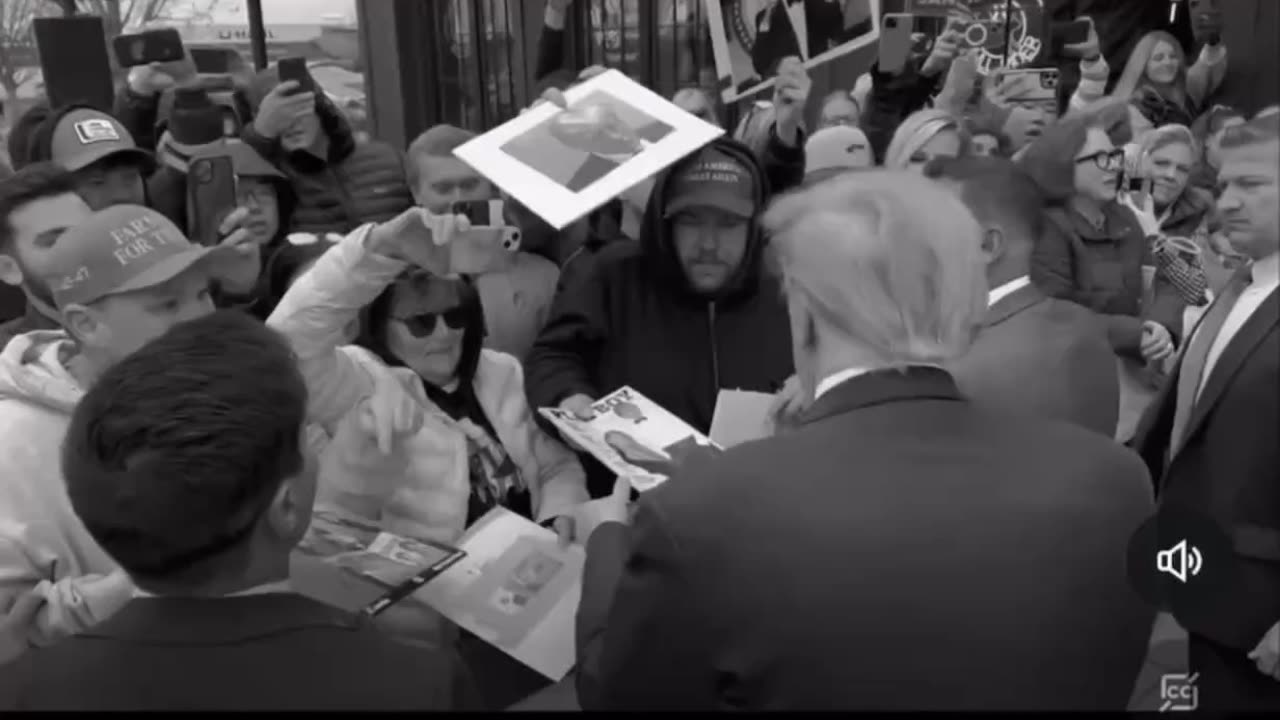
[
  {"x": 1161, "y": 88},
  {"x": 923, "y": 136}
]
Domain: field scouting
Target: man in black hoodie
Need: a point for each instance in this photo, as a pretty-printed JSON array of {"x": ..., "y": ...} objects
[{"x": 686, "y": 311}]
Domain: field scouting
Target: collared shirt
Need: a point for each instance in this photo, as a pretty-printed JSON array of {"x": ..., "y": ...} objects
[
  {"x": 834, "y": 379},
  {"x": 1007, "y": 289},
  {"x": 1266, "y": 277},
  {"x": 282, "y": 586},
  {"x": 795, "y": 12}
]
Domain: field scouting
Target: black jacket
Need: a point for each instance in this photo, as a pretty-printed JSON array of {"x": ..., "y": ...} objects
[
  {"x": 357, "y": 183},
  {"x": 632, "y": 319},
  {"x": 271, "y": 651}
]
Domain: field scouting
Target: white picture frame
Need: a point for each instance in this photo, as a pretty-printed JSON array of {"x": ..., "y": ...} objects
[
  {"x": 560, "y": 183},
  {"x": 731, "y": 21}
]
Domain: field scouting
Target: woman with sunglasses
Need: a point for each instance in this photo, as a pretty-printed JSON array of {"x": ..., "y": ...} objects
[
  {"x": 1095, "y": 250},
  {"x": 478, "y": 447}
]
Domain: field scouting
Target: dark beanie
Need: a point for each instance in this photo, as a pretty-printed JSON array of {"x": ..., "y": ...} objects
[{"x": 193, "y": 118}]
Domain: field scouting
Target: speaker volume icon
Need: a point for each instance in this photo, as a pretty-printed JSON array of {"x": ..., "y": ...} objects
[{"x": 1180, "y": 561}]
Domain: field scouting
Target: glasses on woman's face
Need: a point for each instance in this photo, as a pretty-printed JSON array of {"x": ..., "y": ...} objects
[
  {"x": 1105, "y": 160},
  {"x": 424, "y": 324}
]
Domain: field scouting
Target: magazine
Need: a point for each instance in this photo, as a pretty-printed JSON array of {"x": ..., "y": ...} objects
[
  {"x": 517, "y": 589},
  {"x": 632, "y": 435},
  {"x": 741, "y": 416},
  {"x": 352, "y": 564}
]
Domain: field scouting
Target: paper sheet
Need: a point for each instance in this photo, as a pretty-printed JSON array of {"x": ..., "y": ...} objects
[{"x": 740, "y": 416}]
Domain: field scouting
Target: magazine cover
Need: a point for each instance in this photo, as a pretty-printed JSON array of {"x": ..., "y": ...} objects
[
  {"x": 354, "y": 565},
  {"x": 517, "y": 589},
  {"x": 632, "y": 435}
]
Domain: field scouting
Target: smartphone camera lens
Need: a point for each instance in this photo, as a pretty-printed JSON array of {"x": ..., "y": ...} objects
[{"x": 891, "y": 22}]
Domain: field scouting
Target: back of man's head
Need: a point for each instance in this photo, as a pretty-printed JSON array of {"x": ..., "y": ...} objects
[
  {"x": 1000, "y": 195},
  {"x": 184, "y": 460},
  {"x": 904, "y": 286}
]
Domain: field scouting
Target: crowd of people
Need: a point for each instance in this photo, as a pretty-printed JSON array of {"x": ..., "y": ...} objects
[{"x": 999, "y": 338}]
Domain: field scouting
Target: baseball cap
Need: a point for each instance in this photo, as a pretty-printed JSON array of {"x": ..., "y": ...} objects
[
  {"x": 713, "y": 178},
  {"x": 834, "y": 149},
  {"x": 117, "y": 250},
  {"x": 85, "y": 136}
]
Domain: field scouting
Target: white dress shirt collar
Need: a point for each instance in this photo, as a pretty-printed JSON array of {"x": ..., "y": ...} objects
[
  {"x": 831, "y": 381},
  {"x": 1266, "y": 272},
  {"x": 795, "y": 13},
  {"x": 1007, "y": 289}
]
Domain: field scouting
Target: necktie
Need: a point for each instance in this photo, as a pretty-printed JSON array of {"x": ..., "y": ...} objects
[{"x": 1197, "y": 353}]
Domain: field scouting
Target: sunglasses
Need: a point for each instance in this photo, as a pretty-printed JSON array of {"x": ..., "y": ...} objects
[
  {"x": 1109, "y": 160},
  {"x": 424, "y": 325}
]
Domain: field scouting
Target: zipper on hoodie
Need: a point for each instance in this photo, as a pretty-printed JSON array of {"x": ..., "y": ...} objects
[{"x": 715, "y": 351}]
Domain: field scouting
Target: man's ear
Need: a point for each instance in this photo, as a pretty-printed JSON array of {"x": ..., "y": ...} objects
[
  {"x": 82, "y": 323},
  {"x": 289, "y": 514},
  {"x": 10, "y": 272},
  {"x": 993, "y": 245}
]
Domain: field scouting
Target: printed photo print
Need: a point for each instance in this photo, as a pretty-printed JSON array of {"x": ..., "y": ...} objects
[
  {"x": 751, "y": 37},
  {"x": 517, "y": 590},
  {"x": 579, "y": 146}
]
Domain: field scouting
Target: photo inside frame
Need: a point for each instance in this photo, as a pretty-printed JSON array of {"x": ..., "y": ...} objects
[{"x": 751, "y": 37}]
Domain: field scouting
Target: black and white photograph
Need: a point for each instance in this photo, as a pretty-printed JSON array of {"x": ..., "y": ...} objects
[
  {"x": 562, "y": 163},
  {"x": 750, "y": 38},
  {"x": 586, "y": 142}
]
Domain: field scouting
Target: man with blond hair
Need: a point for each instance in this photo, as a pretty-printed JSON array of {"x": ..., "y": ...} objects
[
  {"x": 901, "y": 548},
  {"x": 516, "y": 288}
]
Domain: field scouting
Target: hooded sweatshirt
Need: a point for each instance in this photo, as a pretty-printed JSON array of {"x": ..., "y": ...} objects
[
  {"x": 44, "y": 548},
  {"x": 633, "y": 319}
]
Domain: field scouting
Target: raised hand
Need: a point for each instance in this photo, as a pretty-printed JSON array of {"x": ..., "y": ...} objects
[{"x": 281, "y": 108}]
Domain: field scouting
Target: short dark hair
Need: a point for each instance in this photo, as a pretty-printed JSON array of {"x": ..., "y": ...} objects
[
  {"x": 173, "y": 455},
  {"x": 1261, "y": 129},
  {"x": 1051, "y": 158},
  {"x": 995, "y": 189},
  {"x": 31, "y": 183}
]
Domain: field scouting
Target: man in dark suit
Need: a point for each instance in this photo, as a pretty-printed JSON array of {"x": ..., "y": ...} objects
[
  {"x": 196, "y": 483},
  {"x": 901, "y": 548},
  {"x": 597, "y": 164},
  {"x": 800, "y": 28},
  {"x": 1210, "y": 438},
  {"x": 1034, "y": 354}
]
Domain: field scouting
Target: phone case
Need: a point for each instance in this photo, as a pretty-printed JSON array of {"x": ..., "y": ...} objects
[
  {"x": 211, "y": 196},
  {"x": 895, "y": 42}
]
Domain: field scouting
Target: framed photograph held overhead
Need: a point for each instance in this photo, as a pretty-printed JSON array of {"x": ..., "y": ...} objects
[
  {"x": 750, "y": 37},
  {"x": 563, "y": 163}
]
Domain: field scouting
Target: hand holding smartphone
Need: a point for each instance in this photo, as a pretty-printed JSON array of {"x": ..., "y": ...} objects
[
  {"x": 490, "y": 242},
  {"x": 294, "y": 69},
  {"x": 211, "y": 197}
]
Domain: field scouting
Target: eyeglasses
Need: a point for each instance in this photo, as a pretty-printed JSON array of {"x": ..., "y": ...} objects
[
  {"x": 424, "y": 325},
  {"x": 1107, "y": 160}
]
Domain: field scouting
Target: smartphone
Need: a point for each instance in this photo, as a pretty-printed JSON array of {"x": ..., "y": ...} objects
[
  {"x": 1070, "y": 33},
  {"x": 1030, "y": 86},
  {"x": 490, "y": 244},
  {"x": 152, "y": 46},
  {"x": 74, "y": 61},
  {"x": 295, "y": 69},
  {"x": 211, "y": 197},
  {"x": 895, "y": 42}
]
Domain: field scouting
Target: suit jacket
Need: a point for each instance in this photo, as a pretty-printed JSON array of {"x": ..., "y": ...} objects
[
  {"x": 596, "y": 167},
  {"x": 900, "y": 533},
  {"x": 274, "y": 651},
  {"x": 824, "y": 21},
  {"x": 1046, "y": 357},
  {"x": 1226, "y": 468}
]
